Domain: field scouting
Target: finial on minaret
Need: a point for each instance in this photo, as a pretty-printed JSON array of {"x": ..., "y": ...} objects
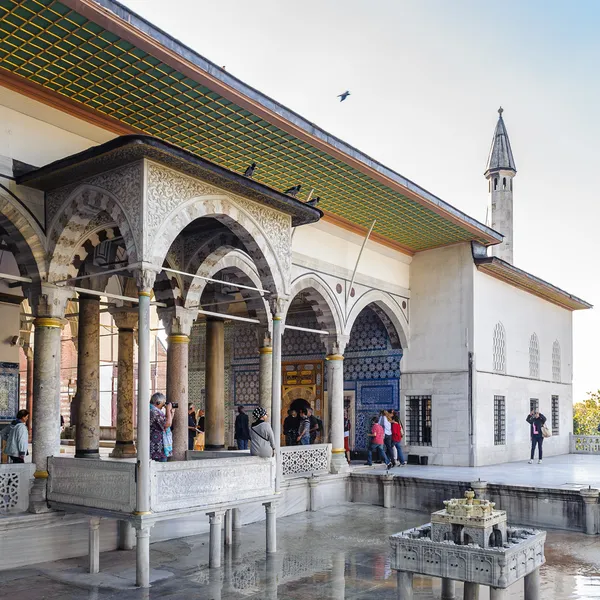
[{"x": 500, "y": 111}]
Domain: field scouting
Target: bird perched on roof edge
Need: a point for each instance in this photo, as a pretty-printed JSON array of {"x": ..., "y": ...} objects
[
  {"x": 250, "y": 170},
  {"x": 293, "y": 190},
  {"x": 314, "y": 202},
  {"x": 343, "y": 96}
]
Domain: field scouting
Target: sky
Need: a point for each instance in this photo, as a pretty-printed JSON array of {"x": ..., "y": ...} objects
[{"x": 426, "y": 78}]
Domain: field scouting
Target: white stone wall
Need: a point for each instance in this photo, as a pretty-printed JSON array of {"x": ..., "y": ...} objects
[{"x": 521, "y": 314}]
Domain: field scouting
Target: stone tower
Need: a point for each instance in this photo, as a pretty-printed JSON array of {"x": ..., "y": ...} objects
[{"x": 500, "y": 172}]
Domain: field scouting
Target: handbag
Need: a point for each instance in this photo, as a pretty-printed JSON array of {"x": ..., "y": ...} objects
[
  {"x": 168, "y": 442},
  {"x": 546, "y": 432}
]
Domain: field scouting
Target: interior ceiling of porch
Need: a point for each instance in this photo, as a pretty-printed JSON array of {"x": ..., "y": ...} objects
[{"x": 64, "y": 54}]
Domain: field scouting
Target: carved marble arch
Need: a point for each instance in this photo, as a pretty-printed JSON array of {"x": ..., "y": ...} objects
[
  {"x": 169, "y": 287},
  {"x": 388, "y": 310},
  {"x": 24, "y": 237},
  {"x": 82, "y": 206},
  {"x": 322, "y": 300},
  {"x": 236, "y": 267},
  {"x": 269, "y": 249}
]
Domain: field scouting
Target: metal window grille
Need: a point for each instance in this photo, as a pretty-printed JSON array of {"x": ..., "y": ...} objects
[
  {"x": 534, "y": 404},
  {"x": 556, "y": 361},
  {"x": 499, "y": 421},
  {"x": 555, "y": 416},
  {"x": 534, "y": 356},
  {"x": 499, "y": 348},
  {"x": 418, "y": 420}
]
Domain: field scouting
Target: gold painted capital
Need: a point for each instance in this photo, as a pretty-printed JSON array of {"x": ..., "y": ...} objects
[
  {"x": 146, "y": 294},
  {"x": 277, "y": 318},
  {"x": 338, "y": 451},
  {"x": 41, "y": 475},
  {"x": 178, "y": 339},
  {"x": 265, "y": 350},
  {"x": 49, "y": 322},
  {"x": 335, "y": 357},
  {"x": 138, "y": 513}
]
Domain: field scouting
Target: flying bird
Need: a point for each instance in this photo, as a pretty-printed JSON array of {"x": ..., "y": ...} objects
[
  {"x": 314, "y": 202},
  {"x": 250, "y": 170},
  {"x": 343, "y": 96},
  {"x": 293, "y": 191}
]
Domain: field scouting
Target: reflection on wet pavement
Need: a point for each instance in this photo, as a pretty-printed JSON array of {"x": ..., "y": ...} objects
[{"x": 338, "y": 553}]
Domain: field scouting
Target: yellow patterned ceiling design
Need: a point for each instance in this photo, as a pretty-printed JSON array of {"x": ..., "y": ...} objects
[{"x": 49, "y": 44}]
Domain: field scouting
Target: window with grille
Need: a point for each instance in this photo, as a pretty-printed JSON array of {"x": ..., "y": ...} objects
[
  {"x": 556, "y": 361},
  {"x": 555, "y": 416},
  {"x": 534, "y": 404},
  {"x": 499, "y": 421},
  {"x": 499, "y": 349},
  {"x": 418, "y": 420},
  {"x": 534, "y": 356}
]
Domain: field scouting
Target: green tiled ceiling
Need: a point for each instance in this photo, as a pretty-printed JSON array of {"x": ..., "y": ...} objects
[{"x": 51, "y": 45}]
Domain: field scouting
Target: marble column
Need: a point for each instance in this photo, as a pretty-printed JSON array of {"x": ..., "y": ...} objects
[
  {"x": 237, "y": 521},
  {"x": 215, "y": 385},
  {"x": 335, "y": 394},
  {"x": 214, "y": 548},
  {"x": 471, "y": 591},
  {"x": 338, "y": 576},
  {"x": 126, "y": 321},
  {"x": 387, "y": 481},
  {"x": 94, "y": 545},
  {"x": 498, "y": 593},
  {"x": 29, "y": 356},
  {"x": 404, "y": 585},
  {"x": 277, "y": 309},
  {"x": 532, "y": 585},
  {"x": 87, "y": 431},
  {"x": 142, "y": 555},
  {"x": 590, "y": 502},
  {"x": 448, "y": 589},
  {"x": 46, "y": 389},
  {"x": 177, "y": 390},
  {"x": 228, "y": 527},
  {"x": 265, "y": 373}
]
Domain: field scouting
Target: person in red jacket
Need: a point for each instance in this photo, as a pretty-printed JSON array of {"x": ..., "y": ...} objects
[{"x": 397, "y": 432}]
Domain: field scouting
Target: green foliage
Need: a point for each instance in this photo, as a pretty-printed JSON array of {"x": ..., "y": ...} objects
[{"x": 586, "y": 415}]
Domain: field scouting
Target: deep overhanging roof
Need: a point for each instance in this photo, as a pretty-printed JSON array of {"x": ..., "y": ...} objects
[
  {"x": 131, "y": 148},
  {"x": 500, "y": 269},
  {"x": 99, "y": 61}
]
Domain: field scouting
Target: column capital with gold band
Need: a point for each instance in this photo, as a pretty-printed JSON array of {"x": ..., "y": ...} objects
[
  {"x": 51, "y": 304},
  {"x": 336, "y": 346},
  {"x": 178, "y": 322}
]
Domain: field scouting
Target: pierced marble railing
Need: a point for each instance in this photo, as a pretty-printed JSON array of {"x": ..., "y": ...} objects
[
  {"x": 585, "y": 444},
  {"x": 299, "y": 461},
  {"x": 15, "y": 482}
]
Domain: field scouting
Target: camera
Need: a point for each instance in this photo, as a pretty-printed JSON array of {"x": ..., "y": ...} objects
[{"x": 173, "y": 404}]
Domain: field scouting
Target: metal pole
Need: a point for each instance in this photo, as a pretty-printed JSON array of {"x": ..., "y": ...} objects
[
  {"x": 236, "y": 285},
  {"x": 357, "y": 261},
  {"x": 143, "y": 409}
]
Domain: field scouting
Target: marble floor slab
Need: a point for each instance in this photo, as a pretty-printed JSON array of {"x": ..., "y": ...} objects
[{"x": 338, "y": 553}]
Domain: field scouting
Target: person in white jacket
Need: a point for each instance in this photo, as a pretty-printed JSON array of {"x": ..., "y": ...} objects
[{"x": 17, "y": 440}]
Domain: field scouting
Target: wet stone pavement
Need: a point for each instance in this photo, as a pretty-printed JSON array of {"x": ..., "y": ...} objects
[{"x": 340, "y": 552}]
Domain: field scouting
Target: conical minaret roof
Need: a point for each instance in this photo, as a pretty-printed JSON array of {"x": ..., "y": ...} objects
[{"x": 501, "y": 156}]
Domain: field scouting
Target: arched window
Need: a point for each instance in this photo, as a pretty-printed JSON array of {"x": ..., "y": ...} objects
[
  {"x": 556, "y": 361},
  {"x": 534, "y": 356},
  {"x": 499, "y": 349},
  {"x": 504, "y": 183},
  {"x": 495, "y": 183}
]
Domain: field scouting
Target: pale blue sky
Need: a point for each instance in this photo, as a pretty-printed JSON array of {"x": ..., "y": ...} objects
[{"x": 427, "y": 77}]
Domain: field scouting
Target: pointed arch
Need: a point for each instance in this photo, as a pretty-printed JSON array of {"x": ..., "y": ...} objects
[
  {"x": 534, "y": 356},
  {"x": 84, "y": 204},
  {"x": 499, "y": 348},
  {"x": 322, "y": 299},
  {"x": 388, "y": 309}
]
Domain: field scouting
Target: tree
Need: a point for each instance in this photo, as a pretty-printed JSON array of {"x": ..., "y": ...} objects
[{"x": 586, "y": 415}]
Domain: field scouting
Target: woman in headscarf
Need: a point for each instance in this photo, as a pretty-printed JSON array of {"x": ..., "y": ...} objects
[
  {"x": 262, "y": 440},
  {"x": 159, "y": 426}
]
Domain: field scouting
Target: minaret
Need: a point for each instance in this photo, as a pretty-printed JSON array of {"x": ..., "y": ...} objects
[{"x": 500, "y": 172}]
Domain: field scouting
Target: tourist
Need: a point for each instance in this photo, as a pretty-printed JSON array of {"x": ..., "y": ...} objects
[
  {"x": 377, "y": 436},
  {"x": 290, "y": 427},
  {"x": 192, "y": 428},
  {"x": 347, "y": 435},
  {"x": 17, "y": 438},
  {"x": 201, "y": 421},
  {"x": 262, "y": 439},
  {"x": 242, "y": 429},
  {"x": 536, "y": 421},
  {"x": 303, "y": 436},
  {"x": 385, "y": 420},
  {"x": 315, "y": 426},
  {"x": 397, "y": 433},
  {"x": 160, "y": 427}
]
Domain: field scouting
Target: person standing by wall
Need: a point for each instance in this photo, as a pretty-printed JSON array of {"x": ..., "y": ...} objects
[
  {"x": 385, "y": 420},
  {"x": 159, "y": 426},
  {"x": 242, "y": 429},
  {"x": 303, "y": 428},
  {"x": 347, "y": 427},
  {"x": 290, "y": 428},
  {"x": 536, "y": 421},
  {"x": 17, "y": 440},
  {"x": 192, "y": 427},
  {"x": 262, "y": 438}
]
